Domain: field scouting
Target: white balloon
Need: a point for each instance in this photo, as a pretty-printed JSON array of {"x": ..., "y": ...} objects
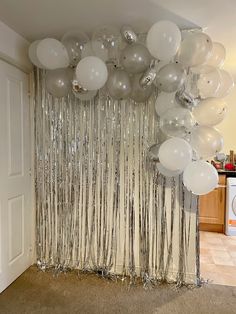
[
  {"x": 164, "y": 102},
  {"x": 208, "y": 84},
  {"x": 163, "y": 40},
  {"x": 195, "y": 49},
  {"x": 52, "y": 54},
  {"x": 175, "y": 154},
  {"x": 91, "y": 73},
  {"x": 166, "y": 172},
  {"x": 210, "y": 111},
  {"x": 200, "y": 177},
  {"x": 217, "y": 56},
  {"x": 33, "y": 54},
  {"x": 206, "y": 141},
  {"x": 202, "y": 69},
  {"x": 226, "y": 84}
]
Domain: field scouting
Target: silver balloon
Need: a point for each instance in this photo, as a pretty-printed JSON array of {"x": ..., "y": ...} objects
[
  {"x": 170, "y": 78},
  {"x": 77, "y": 88},
  {"x": 82, "y": 93},
  {"x": 85, "y": 95},
  {"x": 128, "y": 34},
  {"x": 105, "y": 42},
  {"x": 75, "y": 42},
  {"x": 108, "y": 35},
  {"x": 153, "y": 152},
  {"x": 119, "y": 84},
  {"x": 140, "y": 94},
  {"x": 162, "y": 137},
  {"x": 186, "y": 99},
  {"x": 135, "y": 58},
  {"x": 177, "y": 122},
  {"x": 148, "y": 77},
  {"x": 94, "y": 48},
  {"x": 58, "y": 82},
  {"x": 166, "y": 172}
]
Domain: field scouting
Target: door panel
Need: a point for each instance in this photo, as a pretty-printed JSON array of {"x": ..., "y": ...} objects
[
  {"x": 15, "y": 95},
  {"x": 16, "y": 222},
  {"x": 15, "y": 181}
]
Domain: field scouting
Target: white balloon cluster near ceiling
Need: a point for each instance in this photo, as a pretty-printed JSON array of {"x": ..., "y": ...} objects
[{"x": 185, "y": 70}]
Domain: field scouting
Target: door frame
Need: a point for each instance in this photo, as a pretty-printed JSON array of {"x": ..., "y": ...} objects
[{"x": 32, "y": 170}]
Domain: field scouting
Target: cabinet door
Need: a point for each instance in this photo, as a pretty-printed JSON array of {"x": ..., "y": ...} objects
[{"x": 212, "y": 205}]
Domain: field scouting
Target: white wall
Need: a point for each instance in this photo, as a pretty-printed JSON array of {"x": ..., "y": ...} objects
[
  {"x": 228, "y": 126},
  {"x": 14, "y": 48}
]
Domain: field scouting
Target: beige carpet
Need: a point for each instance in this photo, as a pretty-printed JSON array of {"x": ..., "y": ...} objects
[{"x": 37, "y": 292}]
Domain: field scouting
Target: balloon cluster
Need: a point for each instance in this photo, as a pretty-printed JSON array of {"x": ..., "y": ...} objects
[{"x": 187, "y": 73}]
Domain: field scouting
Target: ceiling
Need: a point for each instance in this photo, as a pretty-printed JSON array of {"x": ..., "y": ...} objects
[
  {"x": 52, "y": 18},
  {"x": 38, "y": 19}
]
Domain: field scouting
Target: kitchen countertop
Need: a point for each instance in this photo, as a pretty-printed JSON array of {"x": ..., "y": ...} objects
[{"x": 227, "y": 173}]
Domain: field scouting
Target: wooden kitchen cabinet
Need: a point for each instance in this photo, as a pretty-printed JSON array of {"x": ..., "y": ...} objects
[{"x": 212, "y": 208}]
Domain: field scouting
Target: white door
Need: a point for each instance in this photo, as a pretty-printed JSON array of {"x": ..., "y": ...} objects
[{"x": 15, "y": 180}]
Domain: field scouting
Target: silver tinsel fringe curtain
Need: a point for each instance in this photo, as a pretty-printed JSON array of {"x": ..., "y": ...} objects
[{"x": 100, "y": 203}]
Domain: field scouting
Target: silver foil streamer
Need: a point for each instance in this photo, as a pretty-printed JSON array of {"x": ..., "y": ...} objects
[{"x": 100, "y": 203}]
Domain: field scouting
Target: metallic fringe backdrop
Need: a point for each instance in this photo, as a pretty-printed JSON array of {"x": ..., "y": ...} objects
[{"x": 101, "y": 205}]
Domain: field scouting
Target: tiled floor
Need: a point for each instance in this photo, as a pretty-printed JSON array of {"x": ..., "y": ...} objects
[{"x": 218, "y": 258}]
